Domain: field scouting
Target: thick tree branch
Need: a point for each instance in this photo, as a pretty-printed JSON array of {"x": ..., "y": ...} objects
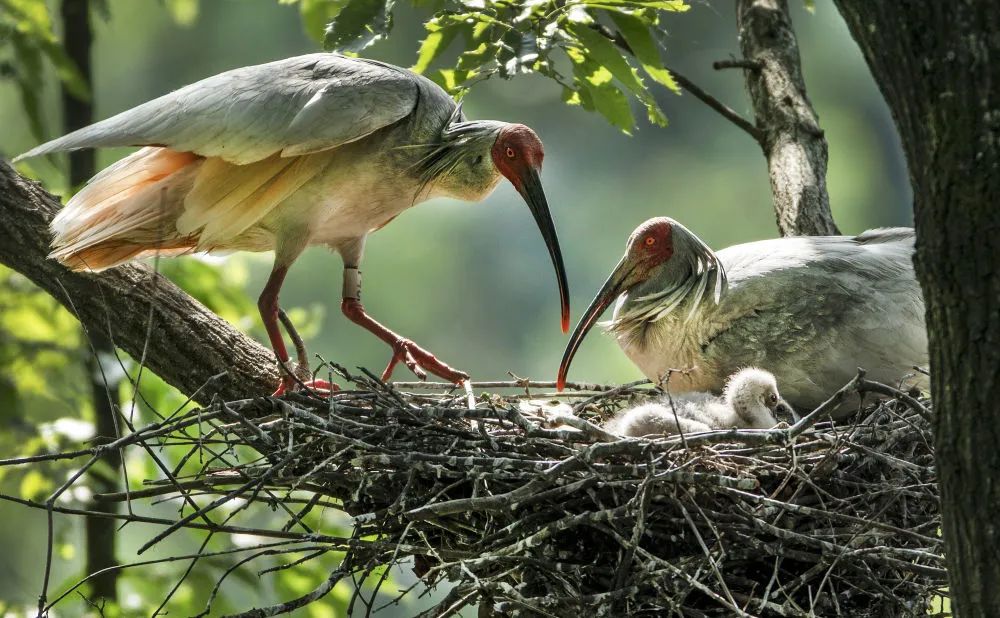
[
  {"x": 792, "y": 141},
  {"x": 187, "y": 343},
  {"x": 938, "y": 66}
]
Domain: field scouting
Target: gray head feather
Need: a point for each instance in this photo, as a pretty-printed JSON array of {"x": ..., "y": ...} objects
[
  {"x": 457, "y": 139},
  {"x": 691, "y": 275}
]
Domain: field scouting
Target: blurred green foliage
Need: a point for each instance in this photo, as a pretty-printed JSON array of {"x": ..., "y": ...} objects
[
  {"x": 28, "y": 40},
  {"x": 470, "y": 282}
]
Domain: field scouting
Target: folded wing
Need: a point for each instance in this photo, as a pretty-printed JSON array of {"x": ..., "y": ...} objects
[{"x": 288, "y": 107}]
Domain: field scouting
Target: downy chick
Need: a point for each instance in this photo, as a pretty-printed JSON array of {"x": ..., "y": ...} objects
[{"x": 749, "y": 401}]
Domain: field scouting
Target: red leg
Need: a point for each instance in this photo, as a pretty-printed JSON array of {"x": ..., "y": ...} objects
[
  {"x": 267, "y": 304},
  {"x": 415, "y": 357},
  {"x": 302, "y": 372},
  {"x": 270, "y": 312}
]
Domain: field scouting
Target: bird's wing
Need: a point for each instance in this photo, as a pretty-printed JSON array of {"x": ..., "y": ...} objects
[
  {"x": 294, "y": 106},
  {"x": 835, "y": 303}
]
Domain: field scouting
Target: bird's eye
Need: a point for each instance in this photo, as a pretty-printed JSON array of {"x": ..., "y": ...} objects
[
  {"x": 650, "y": 241},
  {"x": 772, "y": 398},
  {"x": 510, "y": 152},
  {"x": 477, "y": 160}
]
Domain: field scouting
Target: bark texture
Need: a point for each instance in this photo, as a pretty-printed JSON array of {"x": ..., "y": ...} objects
[
  {"x": 142, "y": 312},
  {"x": 77, "y": 113},
  {"x": 791, "y": 137},
  {"x": 938, "y": 66}
]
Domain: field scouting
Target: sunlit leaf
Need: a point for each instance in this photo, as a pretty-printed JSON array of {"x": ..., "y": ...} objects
[
  {"x": 601, "y": 50},
  {"x": 359, "y": 24},
  {"x": 316, "y": 14},
  {"x": 440, "y": 34},
  {"x": 601, "y": 93},
  {"x": 636, "y": 33},
  {"x": 451, "y": 80},
  {"x": 677, "y": 6}
]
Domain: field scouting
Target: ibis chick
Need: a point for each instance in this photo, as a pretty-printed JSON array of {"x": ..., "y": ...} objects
[
  {"x": 812, "y": 309},
  {"x": 750, "y": 400},
  {"x": 318, "y": 149}
]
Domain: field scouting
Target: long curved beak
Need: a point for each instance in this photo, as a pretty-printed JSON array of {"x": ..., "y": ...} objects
[
  {"x": 530, "y": 189},
  {"x": 621, "y": 279}
]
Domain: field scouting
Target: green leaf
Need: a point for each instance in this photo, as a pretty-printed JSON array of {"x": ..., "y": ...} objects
[
  {"x": 636, "y": 33},
  {"x": 452, "y": 80},
  {"x": 598, "y": 91},
  {"x": 359, "y": 24},
  {"x": 440, "y": 34},
  {"x": 316, "y": 14},
  {"x": 430, "y": 48},
  {"x": 613, "y": 105},
  {"x": 571, "y": 96},
  {"x": 474, "y": 58},
  {"x": 676, "y": 6},
  {"x": 601, "y": 50}
]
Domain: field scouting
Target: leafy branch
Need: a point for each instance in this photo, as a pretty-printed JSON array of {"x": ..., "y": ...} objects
[{"x": 572, "y": 43}]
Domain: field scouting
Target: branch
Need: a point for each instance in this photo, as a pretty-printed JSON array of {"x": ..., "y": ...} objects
[
  {"x": 724, "y": 110},
  {"x": 187, "y": 343},
  {"x": 727, "y": 112},
  {"x": 793, "y": 141}
]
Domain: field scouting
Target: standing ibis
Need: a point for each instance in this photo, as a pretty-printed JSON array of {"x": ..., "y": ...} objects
[
  {"x": 749, "y": 401},
  {"x": 316, "y": 149},
  {"x": 811, "y": 310}
]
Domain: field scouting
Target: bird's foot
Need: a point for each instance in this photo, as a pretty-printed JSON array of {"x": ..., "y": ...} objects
[
  {"x": 418, "y": 360},
  {"x": 297, "y": 377}
]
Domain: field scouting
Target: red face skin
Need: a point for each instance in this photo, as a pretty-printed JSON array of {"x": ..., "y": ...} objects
[
  {"x": 651, "y": 244},
  {"x": 516, "y": 152}
]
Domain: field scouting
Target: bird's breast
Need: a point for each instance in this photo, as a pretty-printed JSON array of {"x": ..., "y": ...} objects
[
  {"x": 669, "y": 352},
  {"x": 354, "y": 198}
]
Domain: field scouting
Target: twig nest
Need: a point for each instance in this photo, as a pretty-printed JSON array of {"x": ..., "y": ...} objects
[{"x": 523, "y": 519}]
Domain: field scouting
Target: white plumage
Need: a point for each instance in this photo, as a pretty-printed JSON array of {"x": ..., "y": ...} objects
[
  {"x": 749, "y": 400},
  {"x": 811, "y": 310}
]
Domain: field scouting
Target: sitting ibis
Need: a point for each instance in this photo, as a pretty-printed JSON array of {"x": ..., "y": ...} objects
[
  {"x": 316, "y": 149},
  {"x": 749, "y": 401},
  {"x": 811, "y": 310}
]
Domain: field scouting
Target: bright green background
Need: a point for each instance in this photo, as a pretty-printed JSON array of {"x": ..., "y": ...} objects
[{"x": 472, "y": 282}]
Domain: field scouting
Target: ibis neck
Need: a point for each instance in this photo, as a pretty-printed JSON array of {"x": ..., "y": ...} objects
[{"x": 458, "y": 163}]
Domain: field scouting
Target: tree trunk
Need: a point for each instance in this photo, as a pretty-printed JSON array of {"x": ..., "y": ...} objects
[
  {"x": 938, "y": 66},
  {"x": 791, "y": 137},
  {"x": 142, "y": 312},
  {"x": 78, "y": 113}
]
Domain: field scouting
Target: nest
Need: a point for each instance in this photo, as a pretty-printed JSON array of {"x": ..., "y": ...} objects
[{"x": 519, "y": 519}]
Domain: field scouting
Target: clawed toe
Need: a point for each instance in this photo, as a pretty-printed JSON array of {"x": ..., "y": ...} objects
[
  {"x": 420, "y": 361},
  {"x": 299, "y": 378}
]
